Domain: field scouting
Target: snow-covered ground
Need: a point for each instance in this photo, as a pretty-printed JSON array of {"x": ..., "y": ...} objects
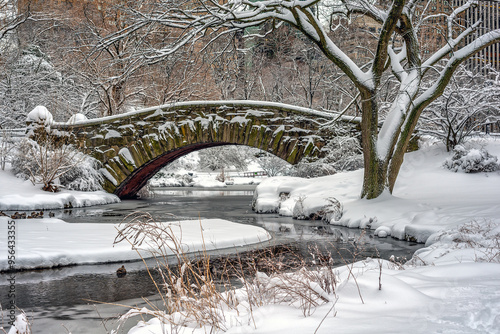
[
  {"x": 453, "y": 286},
  {"x": 450, "y": 286},
  {"x": 46, "y": 243},
  {"x": 19, "y": 195}
]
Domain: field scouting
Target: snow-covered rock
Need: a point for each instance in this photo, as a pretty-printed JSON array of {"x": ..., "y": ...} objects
[
  {"x": 272, "y": 191},
  {"x": 310, "y": 208},
  {"x": 41, "y": 115},
  {"x": 78, "y": 117},
  {"x": 383, "y": 231}
]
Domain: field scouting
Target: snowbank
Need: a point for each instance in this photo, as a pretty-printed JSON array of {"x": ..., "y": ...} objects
[
  {"x": 427, "y": 197},
  {"x": 270, "y": 192},
  {"x": 45, "y": 243},
  {"x": 476, "y": 241},
  {"x": 63, "y": 199},
  {"x": 19, "y": 195}
]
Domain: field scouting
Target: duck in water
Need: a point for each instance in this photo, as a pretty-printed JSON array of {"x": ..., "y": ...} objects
[{"x": 121, "y": 272}]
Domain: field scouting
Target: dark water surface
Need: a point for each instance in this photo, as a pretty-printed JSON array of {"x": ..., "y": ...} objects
[{"x": 61, "y": 296}]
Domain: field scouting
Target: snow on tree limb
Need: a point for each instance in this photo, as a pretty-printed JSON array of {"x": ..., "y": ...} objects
[
  {"x": 448, "y": 47},
  {"x": 388, "y": 28},
  {"x": 398, "y": 51},
  {"x": 396, "y": 60},
  {"x": 457, "y": 58}
]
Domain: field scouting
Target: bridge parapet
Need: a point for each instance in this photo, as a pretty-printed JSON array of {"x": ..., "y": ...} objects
[{"x": 132, "y": 147}]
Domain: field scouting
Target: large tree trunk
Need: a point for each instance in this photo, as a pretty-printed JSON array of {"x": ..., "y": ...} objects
[
  {"x": 381, "y": 171},
  {"x": 375, "y": 174},
  {"x": 375, "y": 178},
  {"x": 380, "y": 175}
]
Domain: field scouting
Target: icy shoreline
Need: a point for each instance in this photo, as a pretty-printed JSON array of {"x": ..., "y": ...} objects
[
  {"x": 19, "y": 195},
  {"x": 427, "y": 198},
  {"x": 47, "y": 243},
  {"x": 52, "y": 201}
]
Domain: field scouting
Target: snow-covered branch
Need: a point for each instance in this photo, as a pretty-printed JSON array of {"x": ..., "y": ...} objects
[
  {"x": 388, "y": 76},
  {"x": 367, "y": 8},
  {"x": 455, "y": 60},
  {"x": 449, "y": 47},
  {"x": 210, "y": 17},
  {"x": 387, "y": 30},
  {"x": 11, "y": 18}
]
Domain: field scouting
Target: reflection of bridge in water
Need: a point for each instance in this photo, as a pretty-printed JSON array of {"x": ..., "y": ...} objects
[{"x": 132, "y": 147}]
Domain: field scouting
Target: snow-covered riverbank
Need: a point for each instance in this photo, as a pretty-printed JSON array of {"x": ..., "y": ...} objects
[
  {"x": 46, "y": 243},
  {"x": 451, "y": 286},
  {"x": 427, "y": 198},
  {"x": 19, "y": 195}
]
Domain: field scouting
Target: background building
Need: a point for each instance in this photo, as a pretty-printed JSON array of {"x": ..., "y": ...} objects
[{"x": 488, "y": 11}]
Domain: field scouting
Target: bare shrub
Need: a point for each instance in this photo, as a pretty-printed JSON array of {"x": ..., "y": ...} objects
[
  {"x": 298, "y": 209},
  {"x": 44, "y": 160},
  {"x": 334, "y": 210},
  {"x": 188, "y": 292},
  {"x": 477, "y": 241},
  {"x": 84, "y": 175},
  {"x": 484, "y": 238},
  {"x": 304, "y": 289},
  {"x": 350, "y": 255}
]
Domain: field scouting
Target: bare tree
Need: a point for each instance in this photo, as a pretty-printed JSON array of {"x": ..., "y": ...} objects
[
  {"x": 112, "y": 72},
  {"x": 33, "y": 65},
  {"x": 465, "y": 104},
  {"x": 180, "y": 77},
  {"x": 220, "y": 157},
  {"x": 122, "y": 78},
  {"x": 396, "y": 52},
  {"x": 29, "y": 78},
  {"x": 272, "y": 165},
  {"x": 11, "y": 17}
]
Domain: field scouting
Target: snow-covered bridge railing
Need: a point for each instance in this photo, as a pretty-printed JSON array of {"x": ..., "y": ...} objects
[{"x": 132, "y": 147}]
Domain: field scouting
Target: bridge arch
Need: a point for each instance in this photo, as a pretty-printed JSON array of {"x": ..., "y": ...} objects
[
  {"x": 132, "y": 147},
  {"x": 141, "y": 175}
]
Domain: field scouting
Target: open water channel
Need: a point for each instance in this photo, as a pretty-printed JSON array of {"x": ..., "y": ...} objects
[{"x": 59, "y": 300}]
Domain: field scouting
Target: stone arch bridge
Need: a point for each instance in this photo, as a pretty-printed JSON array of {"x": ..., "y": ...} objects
[{"x": 133, "y": 146}]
